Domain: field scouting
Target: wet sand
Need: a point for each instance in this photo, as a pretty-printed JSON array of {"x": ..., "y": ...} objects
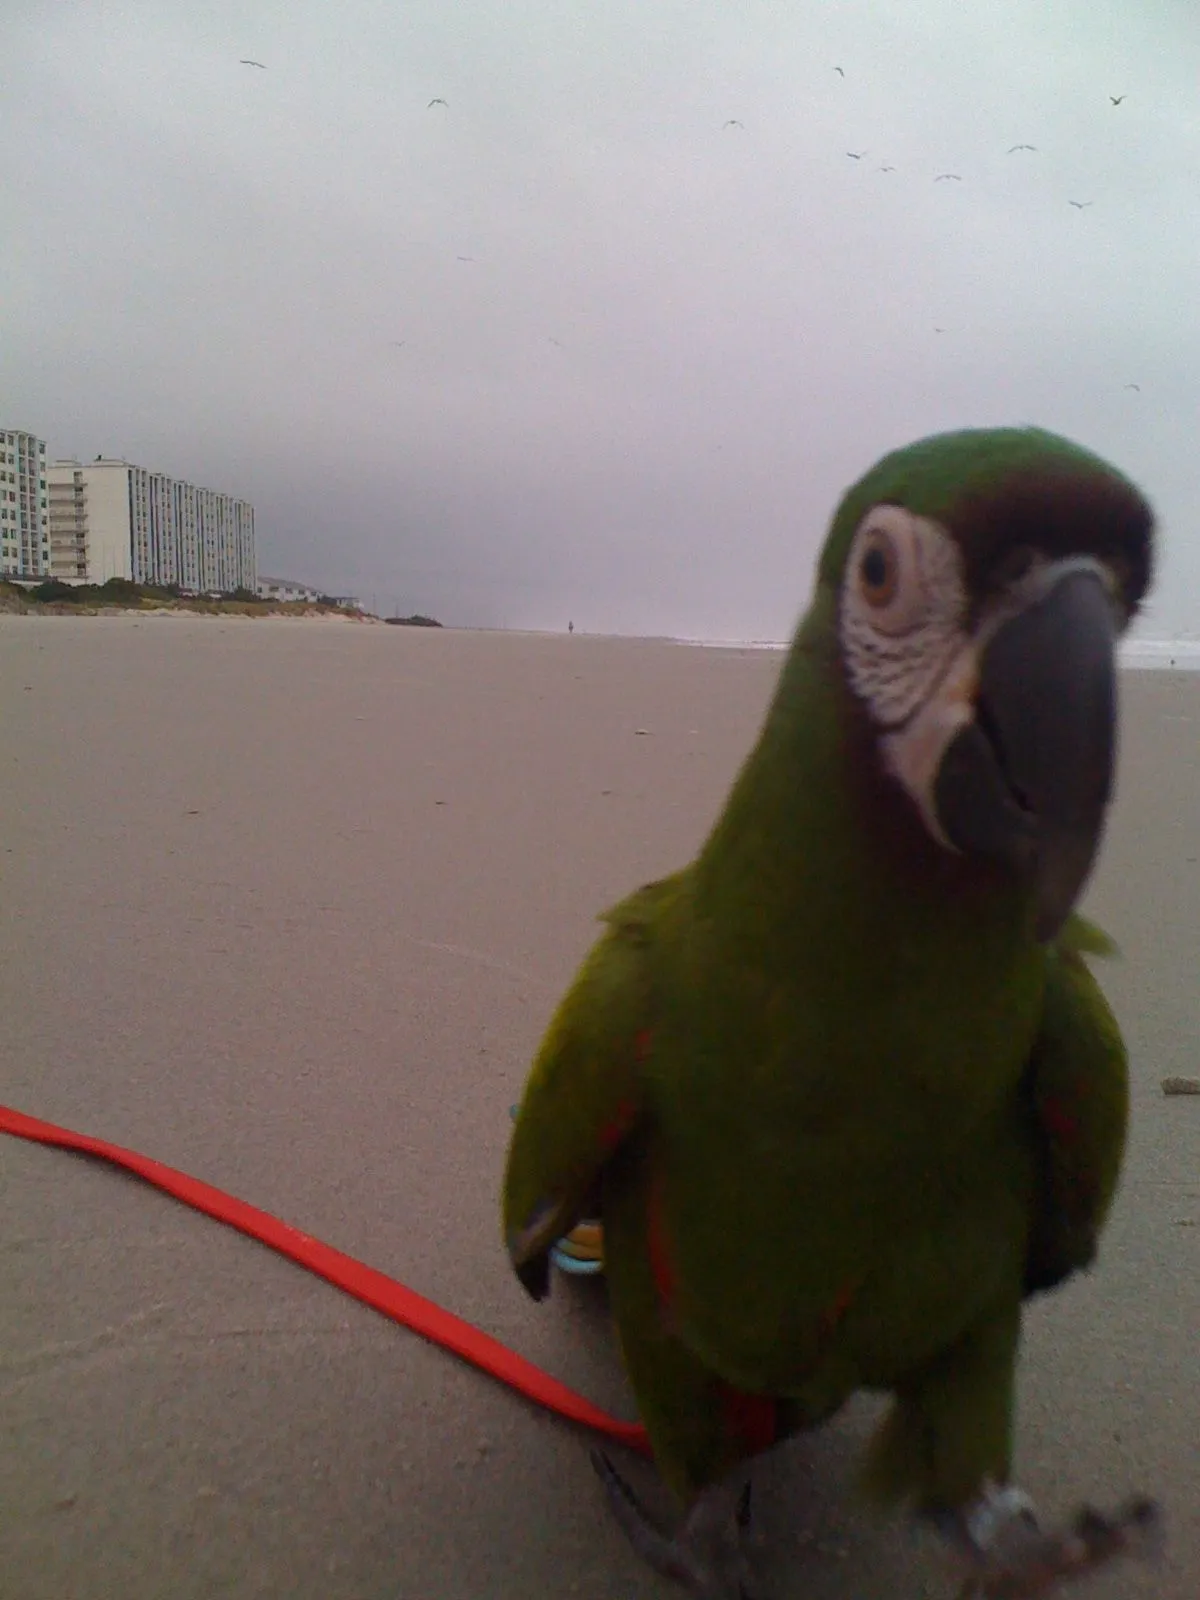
[{"x": 288, "y": 908}]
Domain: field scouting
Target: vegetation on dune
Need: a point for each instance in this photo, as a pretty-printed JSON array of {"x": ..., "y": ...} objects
[{"x": 57, "y": 598}]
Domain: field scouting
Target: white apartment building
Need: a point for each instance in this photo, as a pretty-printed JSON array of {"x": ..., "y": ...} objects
[
  {"x": 188, "y": 532},
  {"x": 91, "y": 523},
  {"x": 285, "y": 589},
  {"x": 68, "y": 528},
  {"x": 24, "y": 510},
  {"x": 163, "y": 547},
  {"x": 112, "y": 519}
]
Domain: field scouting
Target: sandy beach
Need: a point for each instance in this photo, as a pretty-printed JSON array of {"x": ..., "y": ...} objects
[{"x": 288, "y": 908}]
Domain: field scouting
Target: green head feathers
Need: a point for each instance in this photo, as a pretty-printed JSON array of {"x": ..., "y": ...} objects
[
  {"x": 971, "y": 594},
  {"x": 999, "y": 489}
]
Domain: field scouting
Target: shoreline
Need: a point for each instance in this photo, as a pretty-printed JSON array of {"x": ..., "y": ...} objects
[{"x": 1138, "y": 655}]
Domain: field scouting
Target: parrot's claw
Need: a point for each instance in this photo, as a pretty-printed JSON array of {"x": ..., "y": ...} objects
[
  {"x": 705, "y": 1556},
  {"x": 1012, "y": 1557}
]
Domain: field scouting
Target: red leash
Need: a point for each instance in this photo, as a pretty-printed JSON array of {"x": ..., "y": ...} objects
[{"x": 373, "y": 1288}]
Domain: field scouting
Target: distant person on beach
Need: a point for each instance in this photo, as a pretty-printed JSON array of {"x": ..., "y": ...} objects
[{"x": 570, "y": 627}]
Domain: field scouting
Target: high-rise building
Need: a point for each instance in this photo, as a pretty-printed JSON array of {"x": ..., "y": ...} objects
[
  {"x": 68, "y": 524},
  {"x": 98, "y": 516},
  {"x": 24, "y": 510},
  {"x": 184, "y": 496},
  {"x": 112, "y": 519},
  {"x": 164, "y": 529},
  {"x": 247, "y": 560}
]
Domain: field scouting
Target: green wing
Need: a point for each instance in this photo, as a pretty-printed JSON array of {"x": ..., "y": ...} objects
[
  {"x": 583, "y": 1095},
  {"x": 1079, "y": 1094}
]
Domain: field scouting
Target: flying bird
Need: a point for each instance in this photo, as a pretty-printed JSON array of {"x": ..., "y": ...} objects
[
  {"x": 1136, "y": 386},
  {"x": 856, "y": 155},
  {"x": 887, "y": 169},
  {"x": 733, "y": 123},
  {"x": 1117, "y": 98},
  {"x": 943, "y": 176},
  {"x": 244, "y": 62},
  {"x": 558, "y": 342},
  {"x": 438, "y": 101},
  {"x": 1081, "y": 205},
  {"x": 939, "y": 330},
  {"x": 1014, "y": 147},
  {"x": 839, "y": 71},
  {"x": 398, "y": 344},
  {"x": 464, "y": 258}
]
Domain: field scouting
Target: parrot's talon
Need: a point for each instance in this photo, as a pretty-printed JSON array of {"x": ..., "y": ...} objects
[
  {"x": 1014, "y": 1558},
  {"x": 705, "y": 1556}
]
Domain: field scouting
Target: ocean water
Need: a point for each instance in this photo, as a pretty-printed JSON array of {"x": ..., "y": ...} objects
[
  {"x": 1166, "y": 655},
  {"x": 1177, "y": 655}
]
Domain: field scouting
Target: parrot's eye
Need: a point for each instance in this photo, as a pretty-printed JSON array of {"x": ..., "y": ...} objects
[
  {"x": 903, "y": 605},
  {"x": 878, "y": 571},
  {"x": 888, "y": 578}
]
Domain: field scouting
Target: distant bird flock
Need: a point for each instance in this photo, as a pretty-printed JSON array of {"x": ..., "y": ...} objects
[
  {"x": 944, "y": 177},
  {"x": 736, "y": 122}
]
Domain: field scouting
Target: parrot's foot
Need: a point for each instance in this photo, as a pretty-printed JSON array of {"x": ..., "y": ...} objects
[
  {"x": 1011, "y": 1557},
  {"x": 705, "y": 1556}
]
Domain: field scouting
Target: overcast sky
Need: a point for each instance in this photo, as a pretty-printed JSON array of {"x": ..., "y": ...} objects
[{"x": 674, "y": 342}]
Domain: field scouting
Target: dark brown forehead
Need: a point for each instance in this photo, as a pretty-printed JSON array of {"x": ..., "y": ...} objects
[{"x": 1055, "y": 511}]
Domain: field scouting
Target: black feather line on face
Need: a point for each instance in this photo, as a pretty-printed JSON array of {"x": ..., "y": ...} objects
[{"x": 1056, "y": 512}]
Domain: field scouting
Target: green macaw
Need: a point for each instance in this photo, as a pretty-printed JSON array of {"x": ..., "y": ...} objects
[{"x": 843, "y": 1090}]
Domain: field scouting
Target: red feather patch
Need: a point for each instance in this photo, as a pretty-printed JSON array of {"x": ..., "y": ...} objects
[
  {"x": 618, "y": 1125},
  {"x": 1059, "y": 1122},
  {"x": 833, "y": 1314},
  {"x": 753, "y": 1419},
  {"x": 656, "y": 1242}
]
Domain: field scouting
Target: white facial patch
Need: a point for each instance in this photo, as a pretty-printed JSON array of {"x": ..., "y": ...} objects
[
  {"x": 907, "y": 652},
  {"x": 914, "y": 752},
  {"x": 903, "y": 611}
]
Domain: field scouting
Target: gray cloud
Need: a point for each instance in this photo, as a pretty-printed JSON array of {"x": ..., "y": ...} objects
[{"x": 206, "y": 265}]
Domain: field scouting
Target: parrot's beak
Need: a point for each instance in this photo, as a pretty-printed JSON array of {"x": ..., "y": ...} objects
[{"x": 1030, "y": 777}]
